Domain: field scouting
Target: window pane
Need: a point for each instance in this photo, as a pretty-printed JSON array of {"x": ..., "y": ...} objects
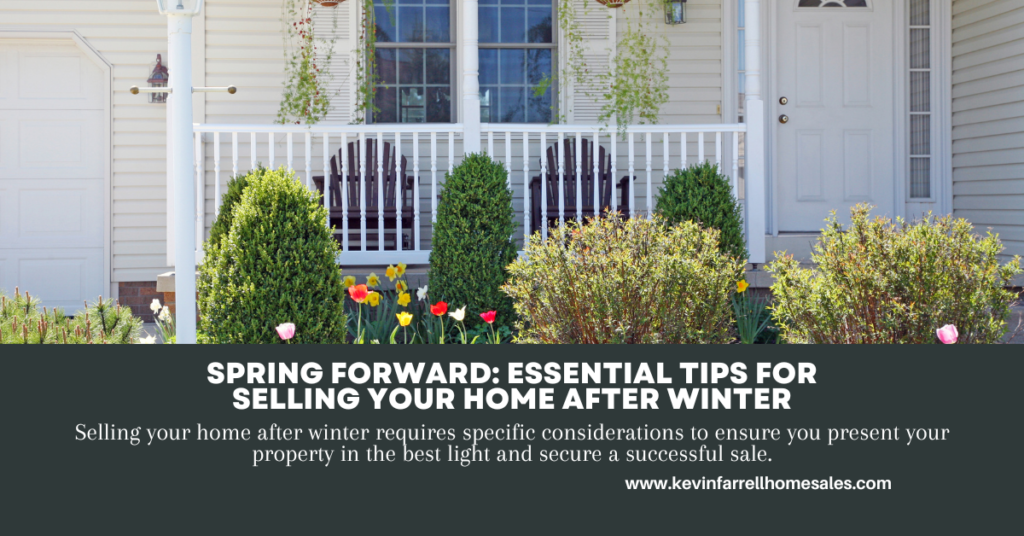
[
  {"x": 410, "y": 24},
  {"x": 439, "y": 105},
  {"x": 511, "y": 105},
  {"x": 539, "y": 66},
  {"x": 387, "y": 101},
  {"x": 439, "y": 70},
  {"x": 538, "y": 24},
  {"x": 413, "y": 105},
  {"x": 919, "y": 12},
  {"x": 387, "y": 67},
  {"x": 487, "y": 96},
  {"x": 385, "y": 23},
  {"x": 513, "y": 25},
  {"x": 410, "y": 66},
  {"x": 488, "y": 66},
  {"x": 539, "y": 108},
  {"x": 920, "y": 135},
  {"x": 438, "y": 25},
  {"x": 920, "y": 48},
  {"x": 487, "y": 23},
  {"x": 920, "y": 91},
  {"x": 512, "y": 69},
  {"x": 920, "y": 177}
]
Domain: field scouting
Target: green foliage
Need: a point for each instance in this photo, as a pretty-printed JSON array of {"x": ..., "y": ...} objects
[
  {"x": 638, "y": 80},
  {"x": 701, "y": 194},
  {"x": 307, "y": 96},
  {"x": 886, "y": 282},
  {"x": 229, "y": 202},
  {"x": 103, "y": 322},
  {"x": 276, "y": 265},
  {"x": 752, "y": 316},
  {"x": 634, "y": 281},
  {"x": 473, "y": 242}
]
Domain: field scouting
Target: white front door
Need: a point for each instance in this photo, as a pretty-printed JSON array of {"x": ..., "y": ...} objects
[
  {"x": 51, "y": 172},
  {"x": 835, "y": 68}
]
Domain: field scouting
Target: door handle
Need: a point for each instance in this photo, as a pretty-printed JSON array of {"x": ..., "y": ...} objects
[{"x": 783, "y": 119}]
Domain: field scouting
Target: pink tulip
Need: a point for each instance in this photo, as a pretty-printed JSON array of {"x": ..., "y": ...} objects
[
  {"x": 286, "y": 331},
  {"x": 947, "y": 334}
]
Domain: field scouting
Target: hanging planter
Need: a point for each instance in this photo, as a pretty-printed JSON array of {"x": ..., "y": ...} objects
[
  {"x": 328, "y": 3},
  {"x": 612, "y": 3}
]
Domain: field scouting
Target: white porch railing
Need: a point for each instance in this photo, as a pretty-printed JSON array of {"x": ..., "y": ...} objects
[{"x": 643, "y": 154}]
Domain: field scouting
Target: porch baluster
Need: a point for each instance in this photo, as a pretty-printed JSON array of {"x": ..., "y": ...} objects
[
  {"x": 718, "y": 150},
  {"x": 290, "y": 152},
  {"x": 665, "y": 157},
  {"x": 490, "y": 144},
  {"x": 700, "y": 148},
  {"x": 416, "y": 191},
  {"x": 399, "y": 185},
  {"x": 343, "y": 184},
  {"x": 595, "y": 183},
  {"x": 433, "y": 178},
  {"x": 200, "y": 191},
  {"x": 682, "y": 151},
  {"x": 736, "y": 165},
  {"x": 216, "y": 173},
  {"x": 234, "y": 158},
  {"x": 526, "y": 187},
  {"x": 632, "y": 183},
  {"x": 362, "y": 192},
  {"x": 327, "y": 176},
  {"x": 380, "y": 191},
  {"x": 649, "y": 158},
  {"x": 543, "y": 187},
  {"x": 252, "y": 151},
  {"x": 270, "y": 142},
  {"x": 613, "y": 171},
  {"x": 508, "y": 158},
  {"x": 561, "y": 179},
  {"x": 579, "y": 177},
  {"x": 309, "y": 160}
]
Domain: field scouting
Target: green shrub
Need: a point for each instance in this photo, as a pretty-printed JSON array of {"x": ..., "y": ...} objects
[
  {"x": 473, "y": 242},
  {"x": 276, "y": 265},
  {"x": 229, "y": 201},
  {"x": 886, "y": 282},
  {"x": 103, "y": 322},
  {"x": 638, "y": 281},
  {"x": 699, "y": 193}
]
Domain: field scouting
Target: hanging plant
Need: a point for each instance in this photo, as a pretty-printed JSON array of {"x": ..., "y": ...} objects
[
  {"x": 613, "y": 3},
  {"x": 307, "y": 97},
  {"x": 637, "y": 84},
  {"x": 332, "y": 3}
]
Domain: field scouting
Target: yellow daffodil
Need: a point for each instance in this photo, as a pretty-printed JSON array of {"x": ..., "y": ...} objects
[
  {"x": 401, "y": 286},
  {"x": 404, "y": 298},
  {"x": 372, "y": 280},
  {"x": 373, "y": 299},
  {"x": 401, "y": 269},
  {"x": 390, "y": 273},
  {"x": 404, "y": 319},
  {"x": 350, "y": 280},
  {"x": 741, "y": 285}
]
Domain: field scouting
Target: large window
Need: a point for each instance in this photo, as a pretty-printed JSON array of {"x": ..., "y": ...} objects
[
  {"x": 415, "y": 44},
  {"x": 517, "y": 51}
]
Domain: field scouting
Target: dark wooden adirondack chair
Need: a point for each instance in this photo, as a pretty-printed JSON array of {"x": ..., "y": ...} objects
[
  {"x": 588, "y": 181},
  {"x": 374, "y": 181}
]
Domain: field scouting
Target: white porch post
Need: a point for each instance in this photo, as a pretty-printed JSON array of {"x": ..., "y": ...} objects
[
  {"x": 470, "y": 80},
  {"x": 755, "y": 138},
  {"x": 179, "y": 51}
]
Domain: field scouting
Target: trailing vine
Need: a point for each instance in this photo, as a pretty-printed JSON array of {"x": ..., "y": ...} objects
[
  {"x": 306, "y": 97},
  {"x": 635, "y": 87},
  {"x": 637, "y": 83}
]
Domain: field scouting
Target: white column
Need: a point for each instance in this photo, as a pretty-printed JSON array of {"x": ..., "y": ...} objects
[
  {"x": 470, "y": 81},
  {"x": 755, "y": 137},
  {"x": 179, "y": 33}
]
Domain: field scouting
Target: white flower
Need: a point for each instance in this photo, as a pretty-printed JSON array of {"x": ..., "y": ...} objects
[
  {"x": 459, "y": 314},
  {"x": 155, "y": 306},
  {"x": 165, "y": 314},
  {"x": 421, "y": 293},
  {"x": 148, "y": 340}
]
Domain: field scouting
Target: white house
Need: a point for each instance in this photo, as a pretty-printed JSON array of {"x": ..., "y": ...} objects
[{"x": 809, "y": 105}]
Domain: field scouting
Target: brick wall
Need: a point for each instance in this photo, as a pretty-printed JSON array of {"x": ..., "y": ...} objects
[{"x": 138, "y": 295}]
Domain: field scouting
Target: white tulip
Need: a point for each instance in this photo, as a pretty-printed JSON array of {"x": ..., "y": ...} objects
[
  {"x": 155, "y": 306},
  {"x": 459, "y": 314},
  {"x": 148, "y": 340}
]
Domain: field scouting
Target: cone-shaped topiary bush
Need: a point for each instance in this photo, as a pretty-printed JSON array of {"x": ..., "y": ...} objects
[
  {"x": 701, "y": 194},
  {"x": 276, "y": 265},
  {"x": 229, "y": 201},
  {"x": 887, "y": 282},
  {"x": 473, "y": 242},
  {"x": 103, "y": 322}
]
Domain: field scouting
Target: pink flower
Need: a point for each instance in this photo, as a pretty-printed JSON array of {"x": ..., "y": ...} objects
[
  {"x": 947, "y": 334},
  {"x": 489, "y": 316},
  {"x": 286, "y": 331}
]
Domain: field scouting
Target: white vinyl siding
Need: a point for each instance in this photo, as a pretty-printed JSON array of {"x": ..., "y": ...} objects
[{"x": 988, "y": 117}]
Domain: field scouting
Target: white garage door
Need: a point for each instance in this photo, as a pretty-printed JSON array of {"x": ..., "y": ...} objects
[{"x": 51, "y": 172}]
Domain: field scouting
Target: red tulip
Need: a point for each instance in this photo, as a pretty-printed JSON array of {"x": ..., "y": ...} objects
[
  {"x": 439, "y": 309},
  {"x": 358, "y": 293},
  {"x": 489, "y": 316}
]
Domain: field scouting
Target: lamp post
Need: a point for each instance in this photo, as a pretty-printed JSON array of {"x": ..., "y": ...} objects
[{"x": 179, "y": 15}]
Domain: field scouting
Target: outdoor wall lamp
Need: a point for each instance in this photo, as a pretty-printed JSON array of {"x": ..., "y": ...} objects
[
  {"x": 675, "y": 11},
  {"x": 179, "y": 7}
]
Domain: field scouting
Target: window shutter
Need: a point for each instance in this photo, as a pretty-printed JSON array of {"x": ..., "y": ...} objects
[
  {"x": 341, "y": 24},
  {"x": 597, "y": 26}
]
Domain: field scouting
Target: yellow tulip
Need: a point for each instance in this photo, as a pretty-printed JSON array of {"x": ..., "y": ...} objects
[
  {"x": 373, "y": 299},
  {"x": 401, "y": 269},
  {"x": 741, "y": 285},
  {"x": 404, "y": 298},
  {"x": 390, "y": 272},
  {"x": 350, "y": 280},
  {"x": 372, "y": 280},
  {"x": 404, "y": 319}
]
